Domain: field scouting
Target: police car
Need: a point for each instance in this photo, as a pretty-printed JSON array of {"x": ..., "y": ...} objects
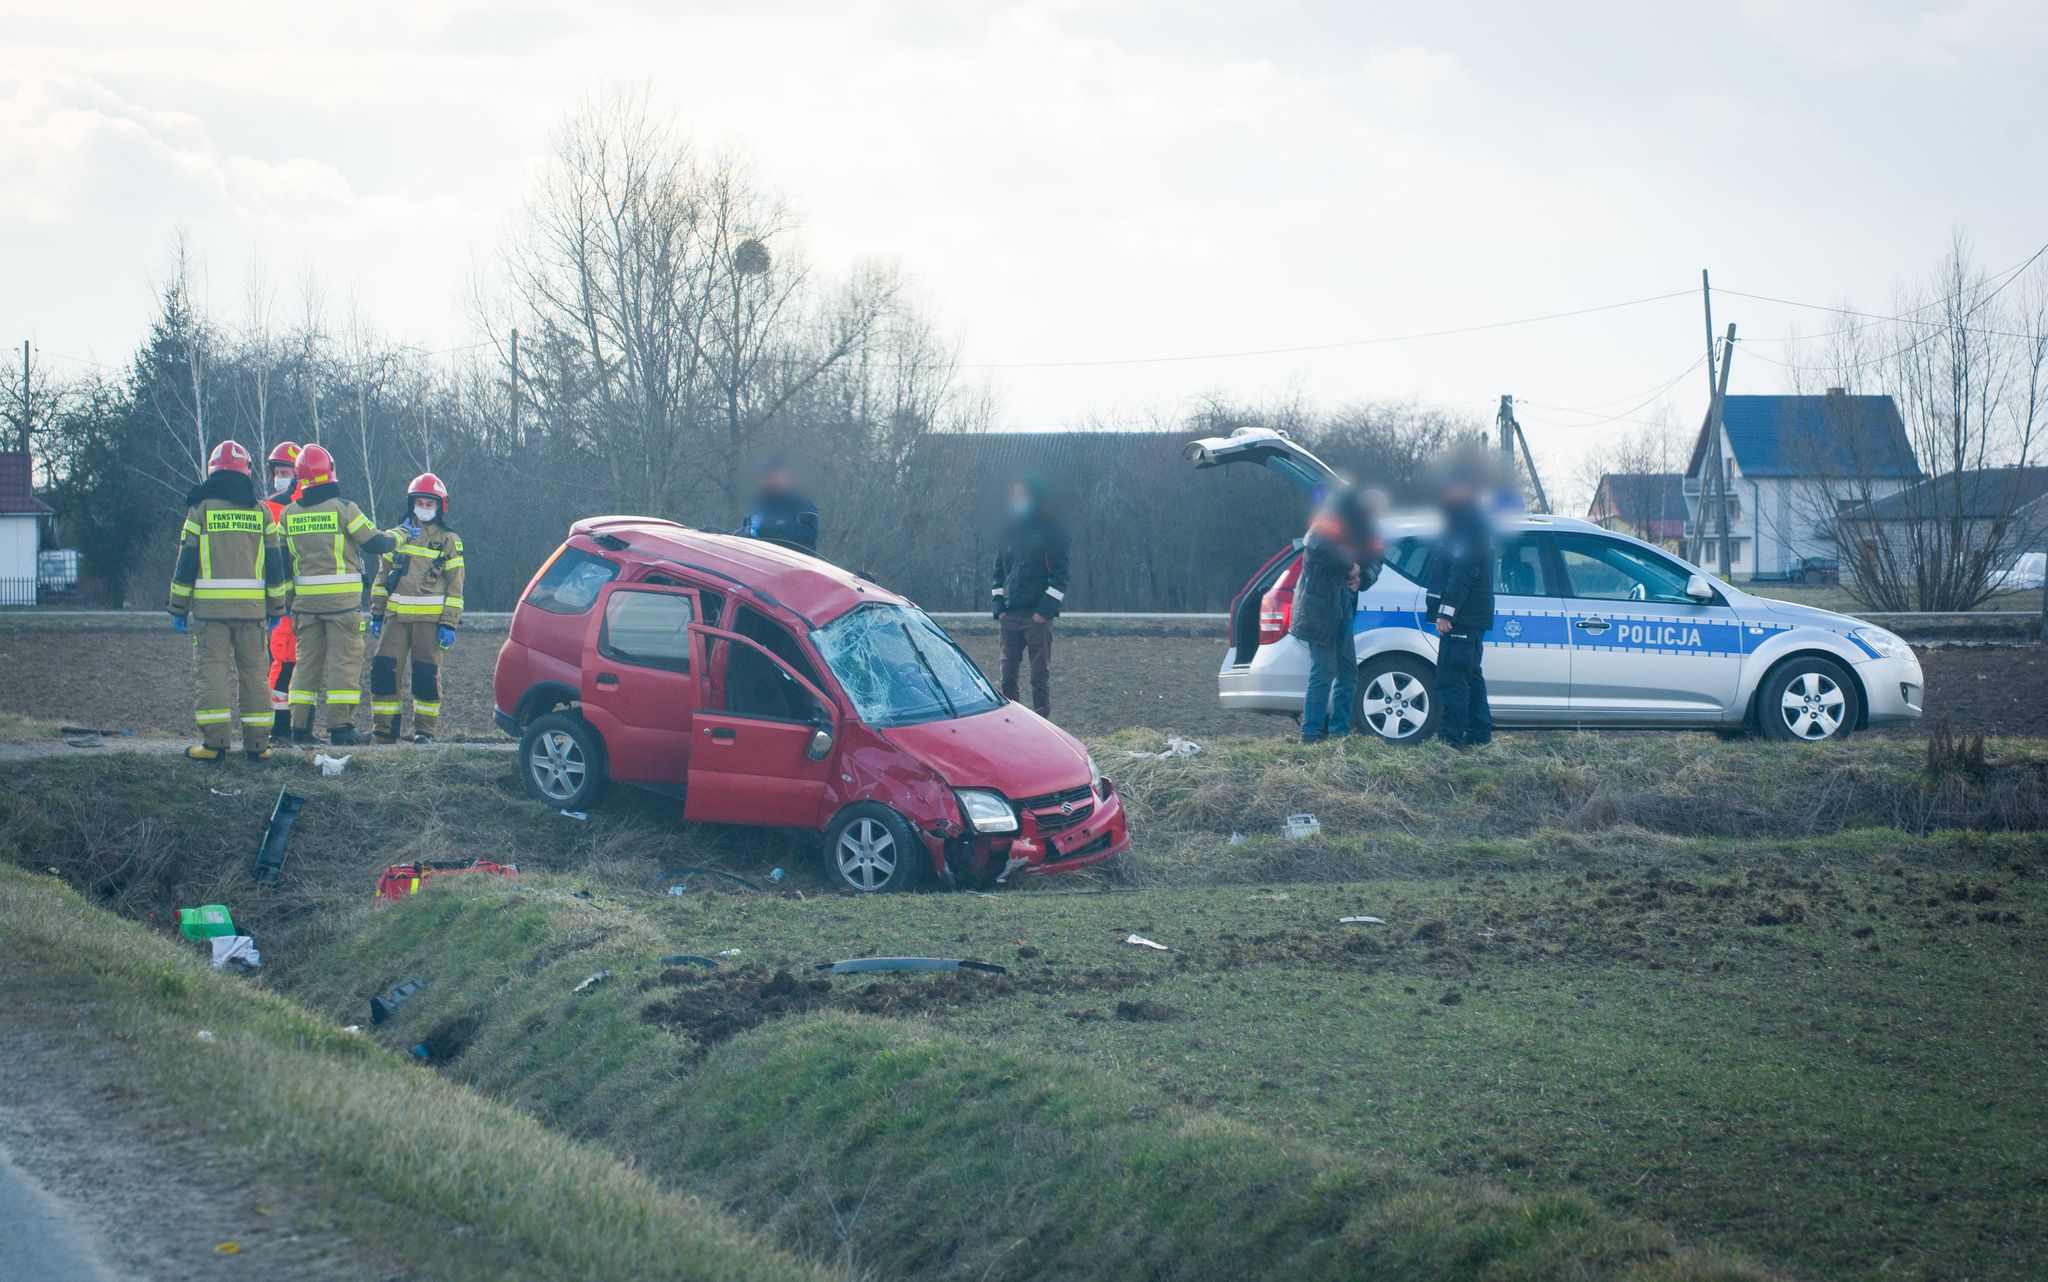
[{"x": 1591, "y": 628}]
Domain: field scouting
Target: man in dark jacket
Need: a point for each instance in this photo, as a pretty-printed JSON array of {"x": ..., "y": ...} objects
[
  {"x": 780, "y": 513},
  {"x": 1340, "y": 557},
  {"x": 1461, "y": 605},
  {"x": 1029, "y": 588}
]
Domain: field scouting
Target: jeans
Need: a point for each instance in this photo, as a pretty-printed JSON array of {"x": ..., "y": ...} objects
[
  {"x": 1332, "y": 687},
  {"x": 1461, "y": 690}
]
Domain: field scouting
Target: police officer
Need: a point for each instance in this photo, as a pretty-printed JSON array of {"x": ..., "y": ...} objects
[
  {"x": 1461, "y": 605},
  {"x": 1029, "y": 589},
  {"x": 284, "y": 646},
  {"x": 227, "y": 590},
  {"x": 414, "y": 608},
  {"x": 780, "y": 513},
  {"x": 1341, "y": 556},
  {"x": 328, "y": 537}
]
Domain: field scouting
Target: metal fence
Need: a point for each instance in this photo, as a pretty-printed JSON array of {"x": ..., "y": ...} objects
[{"x": 17, "y": 592}]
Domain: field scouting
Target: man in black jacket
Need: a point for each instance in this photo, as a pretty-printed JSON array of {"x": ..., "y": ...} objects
[
  {"x": 780, "y": 513},
  {"x": 1029, "y": 588},
  {"x": 1461, "y": 604},
  {"x": 1340, "y": 557}
]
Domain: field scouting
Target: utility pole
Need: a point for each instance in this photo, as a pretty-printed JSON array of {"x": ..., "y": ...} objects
[
  {"x": 1511, "y": 434},
  {"x": 27, "y": 404},
  {"x": 515, "y": 387},
  {"x": 1720, "y": 465}
]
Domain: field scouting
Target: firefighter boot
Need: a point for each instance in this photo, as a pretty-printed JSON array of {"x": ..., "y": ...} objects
[
  {"x": 343, "y": 736},
  {"x": 204, "y": 752}
]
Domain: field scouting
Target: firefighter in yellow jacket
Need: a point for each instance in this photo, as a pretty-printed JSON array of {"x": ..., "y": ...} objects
[
  {"x": 414, "y": 607},
  {"x": 227, "y": 592},
  {"x": 328, "y": 537}
]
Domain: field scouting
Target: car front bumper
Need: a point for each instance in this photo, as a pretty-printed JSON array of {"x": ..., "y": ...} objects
[
  {"x": 1893, "y": 690},
  {"x": 986, "y": 860}
]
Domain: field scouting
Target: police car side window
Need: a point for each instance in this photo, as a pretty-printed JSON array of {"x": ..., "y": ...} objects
[
  {"x": 1410, "y": 557},
  {"x": 1519, "y": 569},
  {"x": 1609, "y": 570}
]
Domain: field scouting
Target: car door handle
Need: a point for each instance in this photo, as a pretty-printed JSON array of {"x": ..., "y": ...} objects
[
  {"x": 1592, "y": 623},
  {"x": 607, "y": 678},
  {"x": 723, "y": 734}
]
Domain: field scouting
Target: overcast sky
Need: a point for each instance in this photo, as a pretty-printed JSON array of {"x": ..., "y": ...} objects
[{"x": 1097, "y": 180}]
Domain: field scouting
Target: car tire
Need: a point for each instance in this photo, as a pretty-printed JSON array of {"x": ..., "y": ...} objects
[
  {"x": 562, "y": 761},
  {"x": 871, "y": 849},
  {"x": 1807, "y": 700},
  {"x": 1391, "y": 691}
]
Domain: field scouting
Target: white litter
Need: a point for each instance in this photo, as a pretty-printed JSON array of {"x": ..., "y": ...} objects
[
  {"x": 578, "y": 815},
  {"x": 353, "y": 1028},
  {"x": 728, "y": 952},
  {"x": 218, "y": 793},
  {"x": 206, "y": 1035},
  {"x": 1361, "y": 921},
  {"x": 1175, "y": 747},
  {"x": 1238, "y": 839},
  {"x": 1303, "y": 825},
  {"x": 1143, "y": 942},
  {"x": 239, "y": 949},
  {"x": 329, "y": 766}
]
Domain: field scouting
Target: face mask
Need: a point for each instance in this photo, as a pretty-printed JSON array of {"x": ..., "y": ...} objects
[
  {"x": 424, "y": 512},
  {"x": 282, "y": 482}
]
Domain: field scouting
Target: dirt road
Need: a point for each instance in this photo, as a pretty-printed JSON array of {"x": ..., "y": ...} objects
[{"x": 137, "y": 676}]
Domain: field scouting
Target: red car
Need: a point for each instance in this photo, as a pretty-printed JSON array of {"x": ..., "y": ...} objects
[{"x": 767, "y": 687}]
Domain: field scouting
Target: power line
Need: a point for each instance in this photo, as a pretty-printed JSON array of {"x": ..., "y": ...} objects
[{"x": 1644, "y": 398}]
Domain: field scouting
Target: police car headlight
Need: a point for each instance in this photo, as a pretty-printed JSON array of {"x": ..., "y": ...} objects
[
  {"x": 1886, "y": 645},
  {"x": 986, "y": 811}
]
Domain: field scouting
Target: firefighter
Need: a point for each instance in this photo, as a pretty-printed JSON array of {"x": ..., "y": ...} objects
[
  {"x": 229, "y": 586},
  {"x": 328, "y": 537},
  {"x": 284, "y": 645},
  {"x": 414, "y": 607}
]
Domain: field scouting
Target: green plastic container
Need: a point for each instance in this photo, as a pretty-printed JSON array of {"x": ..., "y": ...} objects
[{"x": 206, "y": 921}]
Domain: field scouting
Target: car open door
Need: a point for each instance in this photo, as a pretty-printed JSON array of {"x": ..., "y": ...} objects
[
  {"x": 1266, "y": 447},
  {"x": 761, "y": 756},
  {"x": 639, "y": 684}
]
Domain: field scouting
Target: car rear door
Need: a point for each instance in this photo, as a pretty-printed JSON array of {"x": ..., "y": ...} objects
[
  {"x": 639, "y": 681},
  {"x": 751, "y": 762},
  {"x": 1643, "y": 651}
]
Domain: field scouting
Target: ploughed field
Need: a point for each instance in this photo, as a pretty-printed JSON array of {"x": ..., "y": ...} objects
[{"x": 137, "y": 676}]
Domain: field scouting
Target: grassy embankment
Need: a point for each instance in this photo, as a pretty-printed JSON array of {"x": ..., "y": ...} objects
[{"x": 1588, "y": 978}]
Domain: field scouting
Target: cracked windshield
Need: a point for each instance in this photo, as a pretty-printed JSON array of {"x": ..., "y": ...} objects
[{"x": 898, "y": 668}]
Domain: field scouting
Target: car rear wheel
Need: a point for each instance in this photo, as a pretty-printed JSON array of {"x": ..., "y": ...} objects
[
  {"x": 872, "y": 849},
  {"x": 1808, "y": 700},
  {"x": 1395, "y": 700},
  {"x": 562, "y": 761}
]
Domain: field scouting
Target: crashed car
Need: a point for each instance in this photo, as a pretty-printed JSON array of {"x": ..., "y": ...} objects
[
  {"x": 766, "y": 687},
  {"x": 1591, "y": 628}
]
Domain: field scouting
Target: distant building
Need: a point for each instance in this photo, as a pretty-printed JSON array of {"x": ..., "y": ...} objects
[
  {"x": 1996, "y": 512},
  {"x": 1649, "y": 505},
  {"x": 21, "y": 520},
  {"x": 1790, "y": 461}
]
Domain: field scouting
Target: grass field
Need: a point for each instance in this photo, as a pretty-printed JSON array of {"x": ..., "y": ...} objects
[{"x": 1626, "y": 987}]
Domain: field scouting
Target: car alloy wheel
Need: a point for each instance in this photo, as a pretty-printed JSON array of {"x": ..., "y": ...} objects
[
  {"x": 1813, "y": 706},
  {"x": 867, "y": 855},
  {"x": 1396, "y": 704},
  {"x": 557, "y": 764}
]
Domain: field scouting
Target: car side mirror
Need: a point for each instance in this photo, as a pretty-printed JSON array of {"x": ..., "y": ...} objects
[
  {"x": 820, "y": 745},
  {"x": 1699, "y": 589}
]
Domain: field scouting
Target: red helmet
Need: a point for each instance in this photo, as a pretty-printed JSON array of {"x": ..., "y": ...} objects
[
  {"x": 427, "y": 485},
  {"x": 316, "y": 465},
  {"x": 285, "y": 455},
  {"x": 228, "y": 456}
]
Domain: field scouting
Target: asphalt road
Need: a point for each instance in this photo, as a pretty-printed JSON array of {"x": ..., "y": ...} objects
[{"x": 42, "y": 1239}]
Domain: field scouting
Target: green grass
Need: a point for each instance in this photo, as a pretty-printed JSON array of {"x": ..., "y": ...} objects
[
  {"x": 1838, "y": 598},
  {"x": 458, "y": 1185}
]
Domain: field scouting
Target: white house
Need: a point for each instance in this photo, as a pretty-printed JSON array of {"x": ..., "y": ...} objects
[
  {"x": 1790, "y": 461},
  {"x": 21, "y": 520}
]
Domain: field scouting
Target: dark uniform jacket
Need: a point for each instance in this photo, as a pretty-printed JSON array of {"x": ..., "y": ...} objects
[
  {"x": 1031, "y": 570},
  {"x": 1461, "y": 572},
  {"x": 787, "y": 517},
  {"x": 1339, "y": 537}
]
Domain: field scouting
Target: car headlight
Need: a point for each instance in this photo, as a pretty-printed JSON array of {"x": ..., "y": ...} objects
[
  {"x": 1886, "y": 645},
  {"x": 1094, "y": 776},
  {"x": 986, "y": 811}
]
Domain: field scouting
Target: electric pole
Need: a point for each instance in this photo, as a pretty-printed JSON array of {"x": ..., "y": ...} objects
[
  {"x": 1511, "y": 434},
  {"x": 1720, "y": 464},
  {"x": 515, "y": 387},
  {"x": 27, "y": 404}
]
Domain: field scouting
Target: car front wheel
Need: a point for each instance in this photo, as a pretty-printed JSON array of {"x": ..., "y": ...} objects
[
  {"x": 1396, "y": 701},
  {"x": 872, "y": 849},
  {"x": 561, "y": 761},
  {"x": 1809, "y": 700}
]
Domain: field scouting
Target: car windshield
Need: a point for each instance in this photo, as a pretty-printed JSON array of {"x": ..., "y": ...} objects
[{"x": 899, "y": 669}]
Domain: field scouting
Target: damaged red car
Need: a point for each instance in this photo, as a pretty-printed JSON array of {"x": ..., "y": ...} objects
[{"x": 767, "y": 687}]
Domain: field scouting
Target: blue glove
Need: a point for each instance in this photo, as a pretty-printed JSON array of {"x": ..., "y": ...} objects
[
  {"x": 447, "y": 635},
  {"x": 376, "y": 628},
  {"x": 410, "y": 526},
  {"x": 178, "y": 622}
]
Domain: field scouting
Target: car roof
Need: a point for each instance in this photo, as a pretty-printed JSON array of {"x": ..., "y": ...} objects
[
  {"x": 1403, "y": 523},
  {"x": 814, "y": 589}
]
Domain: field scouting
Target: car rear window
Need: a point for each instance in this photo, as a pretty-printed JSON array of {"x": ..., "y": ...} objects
[{"x": 571, "y": 582}]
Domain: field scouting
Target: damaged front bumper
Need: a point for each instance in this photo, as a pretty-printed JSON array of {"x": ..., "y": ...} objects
[{"x": 1056, "y": 834}]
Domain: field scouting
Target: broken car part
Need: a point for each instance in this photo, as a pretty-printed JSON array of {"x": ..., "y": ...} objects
[
  {"x": 384, "y": 1005},
  {"x": 270, "y": 855}
]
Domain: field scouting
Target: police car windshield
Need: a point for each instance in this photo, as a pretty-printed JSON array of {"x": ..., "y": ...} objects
[{"x": 898, "y": 668}]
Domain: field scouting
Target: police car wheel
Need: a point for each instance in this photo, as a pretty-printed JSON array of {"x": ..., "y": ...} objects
[
  {"x": 562, "y": 761},
  {"x": 1396, "y": 702},
  {"x": 1807, "y": 700},
  {"x": 872, "y": 849}
]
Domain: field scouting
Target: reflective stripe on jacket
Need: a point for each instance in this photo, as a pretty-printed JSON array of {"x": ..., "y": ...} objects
[
  {"x": 325, "y": 539},
  {"x": 229, "y": 566},
  {"x": 425, "y": 579}
]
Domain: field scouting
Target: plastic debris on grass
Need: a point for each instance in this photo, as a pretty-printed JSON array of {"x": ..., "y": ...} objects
[
  {"x": 237, "y": 950},
  {"x": 270, "y": 855},
  {"x": 330, "y": 767},
  {"x": 1361, "y": 921},
  {"x": 1143, "y": 942},
  {"x": 1302, "y": 826},
  {"x": 386, "y": 1004},
  {"x": 205, "y": 921},
  {"x": 596, "y": 978},
  {"x": 1175, "y": 747},
  {"x": 578, "y": 815}
]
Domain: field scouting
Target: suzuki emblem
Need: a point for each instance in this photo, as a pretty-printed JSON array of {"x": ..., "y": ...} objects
[{"x": 1066, "y": 807}]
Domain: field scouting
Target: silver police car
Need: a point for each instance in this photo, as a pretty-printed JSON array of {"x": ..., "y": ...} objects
[{"x": 1591, "y": 628}]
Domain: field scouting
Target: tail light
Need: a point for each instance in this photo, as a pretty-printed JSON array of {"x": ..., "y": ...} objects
[{"x": 1276, "y": 608}]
